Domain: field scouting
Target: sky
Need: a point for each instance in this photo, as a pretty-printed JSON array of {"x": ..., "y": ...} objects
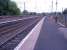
[{"x": 41, "y": 5}]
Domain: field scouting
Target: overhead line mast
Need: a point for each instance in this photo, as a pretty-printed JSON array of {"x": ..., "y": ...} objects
[
  {"x": 52, "y": 6},
  {"x": 56, "y": 5},
  {"x": 24, "y": 5}
]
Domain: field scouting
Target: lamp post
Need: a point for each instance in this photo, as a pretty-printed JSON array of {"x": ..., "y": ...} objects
[
  {"x": 56, "y": 10},
  {"x": 56, "y": 5}
]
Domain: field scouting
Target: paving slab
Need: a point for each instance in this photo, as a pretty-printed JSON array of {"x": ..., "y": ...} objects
[{"x": 50, "y": 37}]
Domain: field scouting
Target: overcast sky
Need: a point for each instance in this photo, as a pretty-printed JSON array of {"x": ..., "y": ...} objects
[{"x": 41, "y": 5}]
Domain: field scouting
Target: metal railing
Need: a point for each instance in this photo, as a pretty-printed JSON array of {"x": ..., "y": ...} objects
[{"x": 63, "y": 19}]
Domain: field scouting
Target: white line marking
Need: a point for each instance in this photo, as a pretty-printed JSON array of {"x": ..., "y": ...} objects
[{"x": 24, "y": 40}]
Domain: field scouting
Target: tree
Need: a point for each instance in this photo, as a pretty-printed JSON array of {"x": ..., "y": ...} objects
[
  {"x": 8, "y": 7},
  {"x": 3, "y": 6},
  {"x": 12, "y": 8},
  {"x": 33, "y": 13},
  {"x": 65, "y": 11},
  {"x": 25, "y": 12}
]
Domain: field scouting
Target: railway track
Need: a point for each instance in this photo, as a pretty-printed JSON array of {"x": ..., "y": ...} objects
[
  {"x": 18, "y": 23},
  {"x": 11, "y": 35}
]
